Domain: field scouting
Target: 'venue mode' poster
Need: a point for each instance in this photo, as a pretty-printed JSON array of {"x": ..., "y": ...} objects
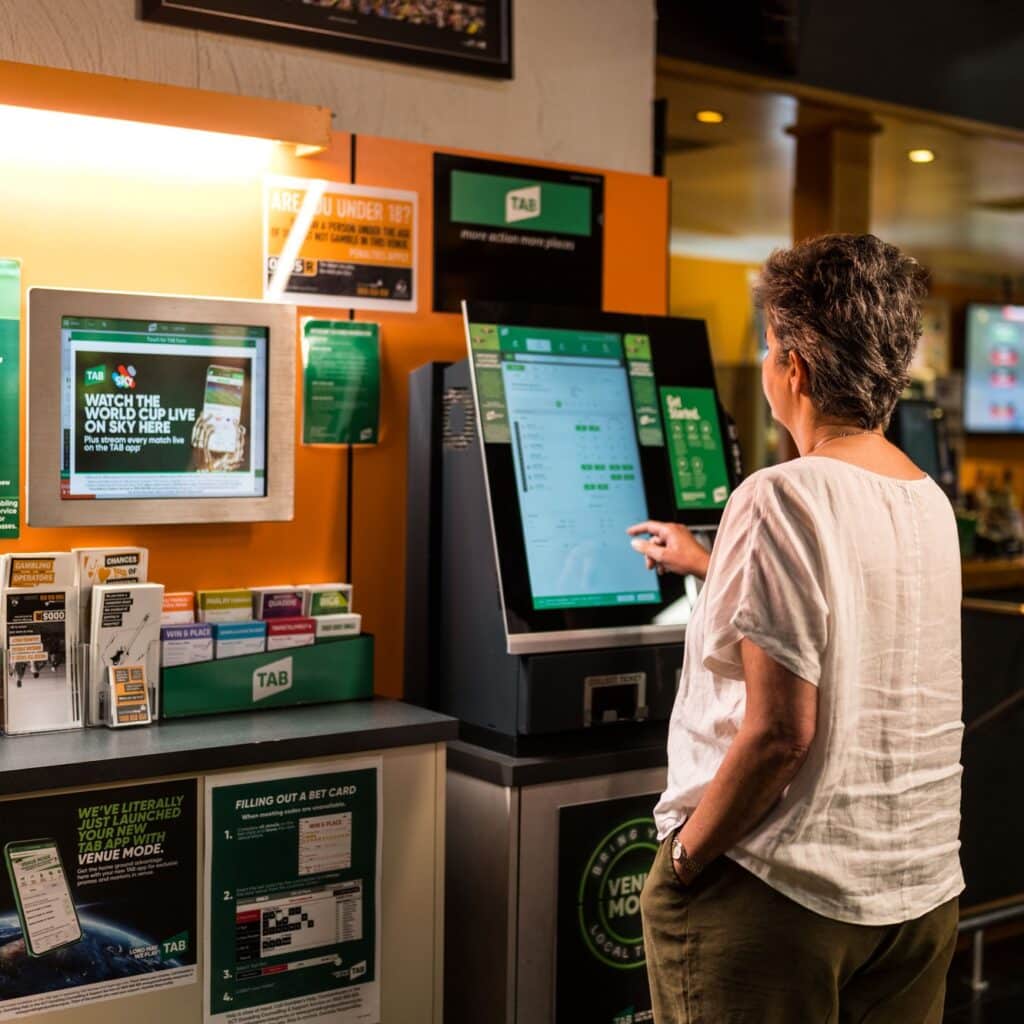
[{"x": 98, "y": 899}]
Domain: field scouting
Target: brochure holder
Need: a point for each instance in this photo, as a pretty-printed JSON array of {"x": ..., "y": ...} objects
[
  {"x": 152, "y": 679},
  {"x": 41, "y": 696},
  {"x": 331, "y": 670}
]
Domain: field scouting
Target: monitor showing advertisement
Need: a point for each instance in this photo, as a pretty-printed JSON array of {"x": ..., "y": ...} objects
[
  {"x": 162, "y": 410},
  {"x": 994, "y": 370},
  {"x": 592, "y": 422},
  {"x": 158, "y": 409}
]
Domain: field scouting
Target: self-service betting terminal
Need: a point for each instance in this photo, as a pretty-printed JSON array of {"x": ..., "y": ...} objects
[{"x": 529, "y": 616}]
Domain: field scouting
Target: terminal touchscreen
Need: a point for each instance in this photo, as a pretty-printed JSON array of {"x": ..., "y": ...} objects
[
  {"x": 152, "y": 408},
  {"x": 591, "y": 423}
]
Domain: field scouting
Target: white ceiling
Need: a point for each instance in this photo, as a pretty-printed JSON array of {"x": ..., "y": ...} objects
[{"x": 732, "y": 184}]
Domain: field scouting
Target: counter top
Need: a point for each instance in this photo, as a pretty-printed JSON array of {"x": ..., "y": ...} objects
[
  {"x": 992, "y": 573},
  {"x": 505, "y": 770},
  {"x": 194, "y": 746}
]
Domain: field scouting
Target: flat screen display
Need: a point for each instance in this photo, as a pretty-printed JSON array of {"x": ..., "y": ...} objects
[
  {"x": 577, "y": 466},
  {"x": 592, "y": 422},
  {"x": 155, "y": 409},
  {"x": 994, "y": 370},
  {"x": 917, "y": 435}
]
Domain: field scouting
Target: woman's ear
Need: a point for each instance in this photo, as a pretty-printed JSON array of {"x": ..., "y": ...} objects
[{"x": 798, "y": 375}]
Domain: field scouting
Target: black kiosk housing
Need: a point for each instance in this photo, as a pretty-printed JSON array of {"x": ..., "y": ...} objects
[{"x": 527, "y": 672}]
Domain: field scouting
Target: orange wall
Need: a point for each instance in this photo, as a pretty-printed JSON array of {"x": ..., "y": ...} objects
[
  {"x": 96, "y": 227},
  {"x": 718, "y": 292}
]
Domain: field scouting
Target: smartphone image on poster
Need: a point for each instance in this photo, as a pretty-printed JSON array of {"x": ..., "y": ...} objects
[
  {"x": 222, "y": 406},
  {"x": 46, "y": 910}
]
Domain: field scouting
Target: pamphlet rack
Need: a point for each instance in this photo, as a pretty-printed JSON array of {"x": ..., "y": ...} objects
[
  {"x": 34, "y": 700},
  {"x": 330, "y": 670}
]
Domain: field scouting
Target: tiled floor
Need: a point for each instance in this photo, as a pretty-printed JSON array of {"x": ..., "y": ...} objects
[{"x": 1002, "y": 1002}]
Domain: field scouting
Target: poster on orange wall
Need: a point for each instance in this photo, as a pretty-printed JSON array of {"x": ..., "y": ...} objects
[
  {"x": 10, "y": 389},
  {"x": 328, "y": 243}
]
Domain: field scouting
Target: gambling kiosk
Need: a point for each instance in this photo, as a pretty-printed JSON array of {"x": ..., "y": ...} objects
[{"x": 532, "y": 620}]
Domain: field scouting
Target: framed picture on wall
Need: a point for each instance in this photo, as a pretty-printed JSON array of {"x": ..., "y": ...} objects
[{"x": 470, "y": 36}]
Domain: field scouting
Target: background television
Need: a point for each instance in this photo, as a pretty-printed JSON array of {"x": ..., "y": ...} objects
[
  {"x": 158, "y": 409},
  {"x": 994, "y": 370}
]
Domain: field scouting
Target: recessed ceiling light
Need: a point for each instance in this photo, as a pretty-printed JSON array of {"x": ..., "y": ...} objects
[
  {"x": 710, "y": 116},
  {"x": 921, "y": 156}
]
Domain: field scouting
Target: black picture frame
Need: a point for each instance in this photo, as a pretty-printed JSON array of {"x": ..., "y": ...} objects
[{"x": 340, "y": 26}]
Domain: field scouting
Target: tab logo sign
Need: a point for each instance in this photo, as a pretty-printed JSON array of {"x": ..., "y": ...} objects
[
  {"x": 95, "y": 375},
  {"x": 273, "y": 678},
  {"x": 522, "y": 204}
]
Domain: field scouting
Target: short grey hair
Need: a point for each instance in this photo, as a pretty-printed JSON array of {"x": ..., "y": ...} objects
[{"x": 850, "y": 305}]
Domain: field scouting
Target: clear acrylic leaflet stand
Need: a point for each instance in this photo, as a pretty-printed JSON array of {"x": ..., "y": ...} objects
[
  {"x": 36, "y": 698},
  {"x": 152, "y": 662},
  {"x": 67, "y": 701}
]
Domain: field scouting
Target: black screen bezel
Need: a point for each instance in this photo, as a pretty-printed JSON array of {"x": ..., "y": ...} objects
[{"x": 681, "y": 355}]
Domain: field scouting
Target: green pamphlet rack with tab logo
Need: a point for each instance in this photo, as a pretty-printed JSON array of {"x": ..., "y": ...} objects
[{"x": 334, "y": 670}]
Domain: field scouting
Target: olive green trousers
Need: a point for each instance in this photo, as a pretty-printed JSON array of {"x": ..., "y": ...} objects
[{"x": 729, "y": 949}]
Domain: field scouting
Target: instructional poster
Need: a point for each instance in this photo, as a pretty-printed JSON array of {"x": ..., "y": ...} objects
[
  {"x": 330, "y": 244},
  {"x": 340, "y": 382},
  {"x": 293, "y": 895},
  {"x": 98, "y": 896},
  {"x": 605, "y": 852},
  {"x": 696, "y": 453},
  {"x": 10, "y": 387}
]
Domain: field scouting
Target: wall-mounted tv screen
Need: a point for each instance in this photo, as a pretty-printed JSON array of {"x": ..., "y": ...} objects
[
  {"x": 162, "y": 410},
  {"x": 994, "y": 370},
  {"x": 146, "y": 408}
]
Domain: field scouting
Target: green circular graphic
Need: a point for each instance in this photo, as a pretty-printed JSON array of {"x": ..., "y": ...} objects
[{"x": 609, "y": 894}]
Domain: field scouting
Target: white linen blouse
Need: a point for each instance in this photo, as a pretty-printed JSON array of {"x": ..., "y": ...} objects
[{"x": 851, "y": 580}]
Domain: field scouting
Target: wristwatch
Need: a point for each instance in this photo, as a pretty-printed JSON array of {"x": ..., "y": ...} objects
[{"x": 683, "y": 859}]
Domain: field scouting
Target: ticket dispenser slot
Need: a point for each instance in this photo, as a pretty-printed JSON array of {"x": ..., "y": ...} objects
[{"x": 609, "y": 699}]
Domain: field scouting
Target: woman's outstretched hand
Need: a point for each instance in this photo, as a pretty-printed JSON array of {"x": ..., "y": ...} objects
[{"x": 670, "y": 548}]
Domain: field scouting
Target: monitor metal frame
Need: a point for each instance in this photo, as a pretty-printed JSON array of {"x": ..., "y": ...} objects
[{"x": 44, "y": 505}]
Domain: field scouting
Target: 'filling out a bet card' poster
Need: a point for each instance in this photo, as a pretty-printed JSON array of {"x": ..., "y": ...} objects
[
  {"x": 293, "y": 895},
  {"x": 605, "y": 852},
  {"x": 516, "y": 232},
  {"x": 98, "y": 899}
]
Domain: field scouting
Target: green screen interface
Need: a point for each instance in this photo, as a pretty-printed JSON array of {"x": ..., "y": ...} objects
[
  {"x": 696, "y": 455},
  {"x": 562, "y": 400}
]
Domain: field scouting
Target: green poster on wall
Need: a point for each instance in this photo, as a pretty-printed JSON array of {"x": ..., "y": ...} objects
[
  {"x": 10, "y": 388},
  {"x": 293, "y": 895},
  {"x": 340, "y": 382},
  {"x": 696, "y": 454}
]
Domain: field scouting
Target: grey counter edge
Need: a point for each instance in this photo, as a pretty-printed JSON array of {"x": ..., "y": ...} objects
[
  {"x": 505, "y": 770},
  {"x": 196, "y": 746}
]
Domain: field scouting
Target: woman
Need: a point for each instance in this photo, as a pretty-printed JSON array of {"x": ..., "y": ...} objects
[{"x": 809, "y": 864}]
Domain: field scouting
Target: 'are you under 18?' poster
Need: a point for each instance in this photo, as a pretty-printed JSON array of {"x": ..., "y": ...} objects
[
  {"x": 326, "y": 243},
  {"x": 293, "y": 895},
  {"x": 98, "y": 896}
]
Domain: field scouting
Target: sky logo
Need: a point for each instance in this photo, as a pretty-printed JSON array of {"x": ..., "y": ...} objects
[{"x": 125, "y": 376}]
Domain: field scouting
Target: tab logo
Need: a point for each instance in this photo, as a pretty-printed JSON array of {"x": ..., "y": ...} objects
[
  {"x": 522, "y": 204},
  {"x": 270, "y": 679},
  {"x": 95, "y": 375}
]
